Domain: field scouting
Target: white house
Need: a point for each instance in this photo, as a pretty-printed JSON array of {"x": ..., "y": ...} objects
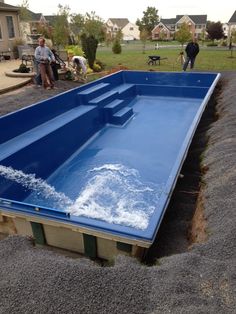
[
  {"x": 225, "y": 29},
  {"x": 129, "y": 30},
  {"x": 232, "y": 24}
]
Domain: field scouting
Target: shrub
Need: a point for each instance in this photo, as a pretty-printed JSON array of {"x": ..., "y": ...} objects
[
  {"x": 212, "y": 45},
  {"x": 74, "y": 50},
  {"x": 96, "y": 67},
  {"x": 22, "y": 69},
  {"x": 116, "y": 48},
  {"x": 101, "y": 64},
  {"x": 89, "y": 71},
  {"x": 224, "y": 43},
  {"x": 89, "y": 45}
]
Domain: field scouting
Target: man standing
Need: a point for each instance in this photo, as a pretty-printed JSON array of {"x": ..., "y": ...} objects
[
  {"x": 44, "y": 56},
  {"x": 192, "y": 49}
]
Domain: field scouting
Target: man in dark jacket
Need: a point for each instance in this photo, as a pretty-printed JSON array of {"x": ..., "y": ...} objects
[{"x": 192, "y": 49}]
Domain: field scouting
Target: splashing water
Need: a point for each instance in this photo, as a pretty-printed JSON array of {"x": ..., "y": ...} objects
[
  {"x": 115, "y": 194},
  {"x": 112, "y": 193},
  {"x": 38, "y": 185}
]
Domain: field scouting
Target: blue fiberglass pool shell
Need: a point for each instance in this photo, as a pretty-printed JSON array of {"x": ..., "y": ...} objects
[{"x": 113, "y": 147}]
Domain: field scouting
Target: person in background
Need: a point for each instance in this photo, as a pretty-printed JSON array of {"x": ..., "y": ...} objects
[
  {"x": 44, "y": 57},
  {"x": 79, "y": 64},
  {"x": 192, "y": 50}
]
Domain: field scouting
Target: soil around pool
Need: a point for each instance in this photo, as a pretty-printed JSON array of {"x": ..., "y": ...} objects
[{"x": 196, "y": 279}]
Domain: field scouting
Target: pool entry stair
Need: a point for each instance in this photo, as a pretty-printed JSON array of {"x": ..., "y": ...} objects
[
  {"x": 110, "y": 101},
  {"x": 92, "y": 170}
]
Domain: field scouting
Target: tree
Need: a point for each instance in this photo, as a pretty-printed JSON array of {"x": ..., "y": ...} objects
[
  {"x": 203, "y": 36},
  {"x": 149, "y": 20},
  {"x": 233, "y": 36},
  {"x": 94, "y": 26},
  {"x": 89, "y": 46},
  {"x": 89, "y": 24},
  {"x": 231, "y": 42},
  {"x": 77, "y": 24},
  {"x": 143, "y": 37},
  {"x": 214, "y": 30},
  {"x": 108, "y": 39},
  {"x": 45, "y": 30},
  {"x": 116, "y": 48},
  {"x": 24, "y": 11},
  {"x": 61, "y": 31},
  {"x": 119, "y": 35},
  {"x": 183, "y": 35}
]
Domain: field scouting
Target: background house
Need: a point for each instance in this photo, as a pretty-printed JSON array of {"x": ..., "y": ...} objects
[
  {"x": 29, "y": 26},
  {"x": 129, "y": 30},
  {"x": 166, "y": 28},
  {"x": 9, "y": 26},
  {"x": 232, "y": 24},
  {"x": 225, "y": 29}
]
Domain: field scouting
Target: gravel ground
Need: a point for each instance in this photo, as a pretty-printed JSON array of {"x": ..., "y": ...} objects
[
  {"x": 200, "y": 280},
  {"x": 30, "y": 94}
]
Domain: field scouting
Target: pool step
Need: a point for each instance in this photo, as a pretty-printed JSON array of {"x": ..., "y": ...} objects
[
  {"x": 104, "y": 99},
  {"x": 113, "y": 107},
  {"x": 121, "y": 116},
  {"x": 126, "y": 89},
  {"x": 93, "y": 92}
]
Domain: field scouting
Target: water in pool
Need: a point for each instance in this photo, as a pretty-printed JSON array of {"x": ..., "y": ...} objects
[{"x": 119, "y": 176}]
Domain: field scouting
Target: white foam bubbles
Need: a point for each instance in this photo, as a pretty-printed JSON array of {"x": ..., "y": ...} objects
[
  {"x": 111, "y": 192},
  {"x": 115, "y": 194}
]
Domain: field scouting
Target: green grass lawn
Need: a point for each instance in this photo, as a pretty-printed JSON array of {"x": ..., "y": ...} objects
[{"x": 132, "y": 57}]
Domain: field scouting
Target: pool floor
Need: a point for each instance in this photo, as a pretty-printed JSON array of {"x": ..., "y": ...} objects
[{"x": 119, "y": 176}]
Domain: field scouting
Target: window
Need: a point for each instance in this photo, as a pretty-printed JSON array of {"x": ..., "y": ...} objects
[
  {"x": 0, "y": 32},
  {"x": 131, "y": 28},
  {"x": 10, "y": 27}
]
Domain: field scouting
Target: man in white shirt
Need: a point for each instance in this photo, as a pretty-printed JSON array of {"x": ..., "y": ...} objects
[
  {"x": 79, "y": 64},
  {"x": 44, "y": 56}
]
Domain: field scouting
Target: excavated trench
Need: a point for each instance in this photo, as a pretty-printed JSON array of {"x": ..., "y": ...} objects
[{"x": 184, "y": 223}]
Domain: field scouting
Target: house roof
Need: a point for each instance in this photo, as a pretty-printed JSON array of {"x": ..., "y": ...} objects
[
  {"x": 8, "y": 7},
  {"x": 197, "y": 19},
  {"x": 233, "y": 18},
  {"x": 168, "y": 21},
  {"x": 165, "y": 25},
  {"x": 50, "y": 19},
  {"x": 34, "y": 16},
  {"x": 119, "y": 22}
]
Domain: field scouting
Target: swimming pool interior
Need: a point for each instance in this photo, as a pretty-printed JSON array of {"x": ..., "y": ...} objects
[{"x": 105, "y": 155}]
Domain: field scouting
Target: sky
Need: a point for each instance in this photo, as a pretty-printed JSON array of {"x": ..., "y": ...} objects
[{"x": 133, "y": 9}]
